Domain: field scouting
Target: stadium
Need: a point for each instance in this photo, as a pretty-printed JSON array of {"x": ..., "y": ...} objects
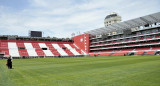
[
  {"x": 139, "y": 36},
  {"x": 120, "y": 53}
]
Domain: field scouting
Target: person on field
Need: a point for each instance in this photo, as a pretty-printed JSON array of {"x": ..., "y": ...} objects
[{"x": 9, "y": 62}]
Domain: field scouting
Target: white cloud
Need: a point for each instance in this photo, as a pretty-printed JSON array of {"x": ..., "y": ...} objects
[{"x": 60, "y": 18}]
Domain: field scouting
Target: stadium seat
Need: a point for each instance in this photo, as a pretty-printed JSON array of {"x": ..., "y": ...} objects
[
  {"x": 150, "y": 53},
  {"x": 139, "y": 53}
]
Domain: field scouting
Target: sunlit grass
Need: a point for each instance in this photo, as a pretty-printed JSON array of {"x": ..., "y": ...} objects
[{"x": 83, "y": 71}]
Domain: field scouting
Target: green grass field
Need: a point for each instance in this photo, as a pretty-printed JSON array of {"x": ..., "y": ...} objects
[{"x": 83, "y": 71}]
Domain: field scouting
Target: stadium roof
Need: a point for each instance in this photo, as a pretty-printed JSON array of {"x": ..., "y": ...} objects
[{"x": 141, "y": 21}]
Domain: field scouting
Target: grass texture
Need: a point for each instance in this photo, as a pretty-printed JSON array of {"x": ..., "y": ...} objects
[{"x": 82, "y": 71}]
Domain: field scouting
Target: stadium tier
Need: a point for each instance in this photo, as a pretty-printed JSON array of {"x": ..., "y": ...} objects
[{"x": 20, "y": 48}]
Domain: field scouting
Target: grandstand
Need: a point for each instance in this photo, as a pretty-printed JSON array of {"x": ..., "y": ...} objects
[
  {"x": 30, "y": 48},
  {"x": 139, "y": 36}
]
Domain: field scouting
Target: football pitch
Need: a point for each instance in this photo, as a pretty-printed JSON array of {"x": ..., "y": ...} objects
[{"x": 82, "y": 71}]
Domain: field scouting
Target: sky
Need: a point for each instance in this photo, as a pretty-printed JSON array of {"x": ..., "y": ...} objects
[{"x": 61, "y": 18}]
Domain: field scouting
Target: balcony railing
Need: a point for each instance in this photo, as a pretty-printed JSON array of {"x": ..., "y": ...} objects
[
  {"x": 148, "y": 34},
  {"x": 125, "y": 42}
]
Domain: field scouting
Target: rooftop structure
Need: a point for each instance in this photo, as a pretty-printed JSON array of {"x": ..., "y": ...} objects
[
  {"x": 112, "y": 18},
  {"x": 130, "y": 24}
]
